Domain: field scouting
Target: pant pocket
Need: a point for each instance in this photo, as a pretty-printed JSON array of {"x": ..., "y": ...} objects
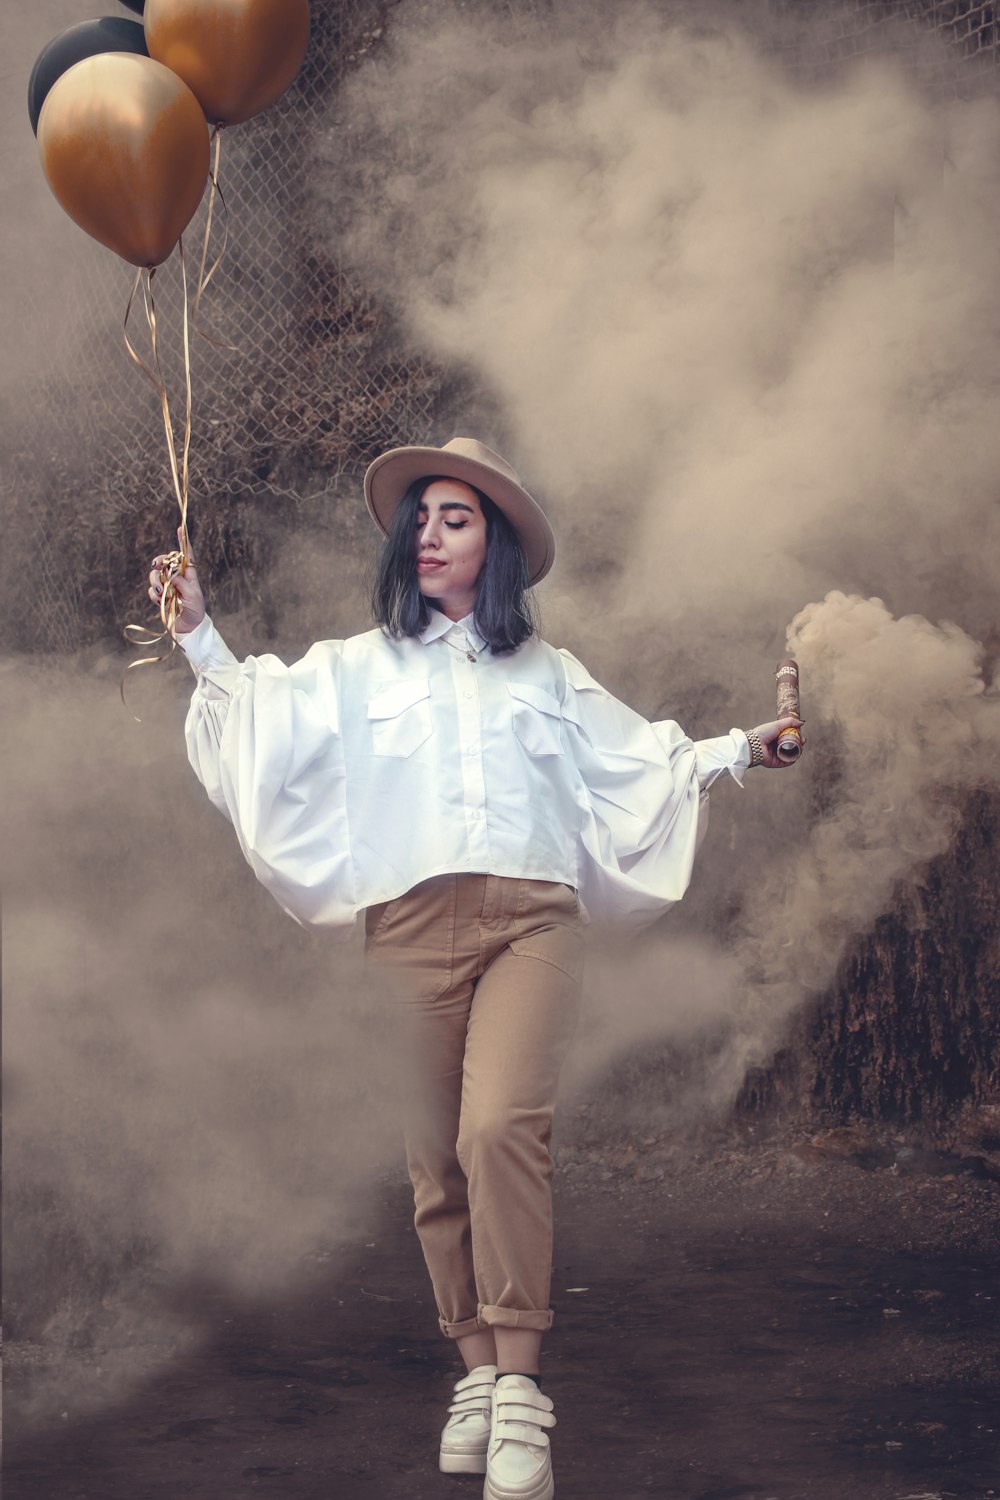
[
  {"x": 558, "y": 946},
  {"x": 410, "y": 942},
  {"x": 549, "y": 927},
  {"x": 374, "y": 917}
]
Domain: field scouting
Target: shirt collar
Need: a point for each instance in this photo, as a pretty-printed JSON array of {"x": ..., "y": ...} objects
[{"x": 440, "y": 625}]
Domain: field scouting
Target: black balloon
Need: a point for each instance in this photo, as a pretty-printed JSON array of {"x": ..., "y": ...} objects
[
  {"x": 88, "y": 39},
  {"x": 136, "y": 5}
]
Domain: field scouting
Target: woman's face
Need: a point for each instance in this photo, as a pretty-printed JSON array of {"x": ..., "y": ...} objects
[{"x": 451, "y": 546}]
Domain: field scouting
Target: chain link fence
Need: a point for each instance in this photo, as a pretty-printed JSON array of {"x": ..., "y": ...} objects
[
  {"x": 853, "y": 28},
  {"x": 319, "y": 380}
]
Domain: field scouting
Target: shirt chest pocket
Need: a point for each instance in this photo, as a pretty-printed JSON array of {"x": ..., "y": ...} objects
[
  {"x": 537, "y": 718},
  {"x": 400, "y": 717}
]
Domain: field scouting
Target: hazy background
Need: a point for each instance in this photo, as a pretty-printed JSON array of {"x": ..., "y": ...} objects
[{"x": 737, "y": 326}]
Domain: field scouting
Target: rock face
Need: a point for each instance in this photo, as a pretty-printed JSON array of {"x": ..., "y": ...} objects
[{"x": 911, "y": 1032}]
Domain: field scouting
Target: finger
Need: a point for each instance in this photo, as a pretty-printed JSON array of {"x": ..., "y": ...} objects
[
  {"x": 168, "y": 580},
  {"x": 770, "y": 733}
]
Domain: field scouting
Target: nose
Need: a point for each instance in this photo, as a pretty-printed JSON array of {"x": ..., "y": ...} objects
[{"x": 429, "y": 534}]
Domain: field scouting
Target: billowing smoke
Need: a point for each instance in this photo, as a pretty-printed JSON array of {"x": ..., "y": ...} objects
[
  {"x": 914, "y": 728},
  {"x": 741, "y": 331},
  {"x": 196, "y": 1088}
]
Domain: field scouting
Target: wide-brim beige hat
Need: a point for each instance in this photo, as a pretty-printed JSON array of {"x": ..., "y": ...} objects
[{"x": 392, "y": 473}]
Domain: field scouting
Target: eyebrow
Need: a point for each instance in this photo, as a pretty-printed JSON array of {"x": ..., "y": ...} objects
[{"x": 449, "y": 505}]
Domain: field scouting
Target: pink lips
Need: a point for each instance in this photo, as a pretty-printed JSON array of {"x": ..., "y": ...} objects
[{"x": 428, "y": 564}]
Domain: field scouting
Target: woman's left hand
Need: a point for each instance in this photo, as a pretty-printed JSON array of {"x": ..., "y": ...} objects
[{"x": 769, "y": 737}]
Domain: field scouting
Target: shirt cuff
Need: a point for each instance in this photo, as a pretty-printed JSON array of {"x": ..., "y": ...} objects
[
  {"x": 728, "y": 753},
  {"x": 204, "y": 647}
]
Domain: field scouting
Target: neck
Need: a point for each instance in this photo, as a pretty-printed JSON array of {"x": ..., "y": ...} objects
[{"x": 453, "y": 609}]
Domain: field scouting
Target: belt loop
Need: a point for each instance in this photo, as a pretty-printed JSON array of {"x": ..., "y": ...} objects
[{"x": 512, "y": 888}]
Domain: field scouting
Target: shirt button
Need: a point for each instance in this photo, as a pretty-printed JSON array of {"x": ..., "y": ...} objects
[
  {"x": 477, "y": 814},
  {"x": 467, "y": 693}
]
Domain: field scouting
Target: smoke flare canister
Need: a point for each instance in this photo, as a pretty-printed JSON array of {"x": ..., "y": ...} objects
[{"x": 786, "y": 676}]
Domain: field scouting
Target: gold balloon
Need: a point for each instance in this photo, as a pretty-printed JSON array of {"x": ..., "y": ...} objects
[
  {"x": 124, "y": 146},
  {"x": 236, "y": 56}
]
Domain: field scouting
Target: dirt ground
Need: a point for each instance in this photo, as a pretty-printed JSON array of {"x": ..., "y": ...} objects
[{"x": 805, "y": 1319}]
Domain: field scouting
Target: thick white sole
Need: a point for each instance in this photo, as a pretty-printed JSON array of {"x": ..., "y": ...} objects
[
  {"x": 544, "y": 1490},
  {"x": 462, "y": 1463}
]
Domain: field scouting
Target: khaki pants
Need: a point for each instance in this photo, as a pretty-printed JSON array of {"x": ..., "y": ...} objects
[{"x": 487, "y": 970}]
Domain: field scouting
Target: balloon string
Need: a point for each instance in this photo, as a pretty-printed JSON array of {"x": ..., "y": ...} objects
[
  {"x": 185, "y": 325},
  {"x": 175, "y": 563},
  {"x": 214, "y": 191}
]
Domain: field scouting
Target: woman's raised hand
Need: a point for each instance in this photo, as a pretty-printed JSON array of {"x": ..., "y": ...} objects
[
  {"x": 188, "y": 589},
  {"x": 770, "y": 734}
]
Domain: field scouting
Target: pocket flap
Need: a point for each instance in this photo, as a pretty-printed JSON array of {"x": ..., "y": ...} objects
[
  {"x": 537, "y": 697},
  {"x": 393, "y": 700}
]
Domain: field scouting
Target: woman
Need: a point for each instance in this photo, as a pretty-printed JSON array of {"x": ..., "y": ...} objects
[{"x": 476, "y": 793}]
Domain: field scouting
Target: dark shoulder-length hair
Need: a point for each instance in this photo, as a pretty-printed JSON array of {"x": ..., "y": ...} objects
[{"x": 504, "y": 611}]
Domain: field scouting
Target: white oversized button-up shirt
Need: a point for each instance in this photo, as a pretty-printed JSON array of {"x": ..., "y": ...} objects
[{"x": 372, "y": 764}]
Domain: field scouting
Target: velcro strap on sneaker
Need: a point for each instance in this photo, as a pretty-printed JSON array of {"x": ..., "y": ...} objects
[
  {"x": 468, "y": 1406},
  {"x": 474, "y": 1392},
  {"x": 482, "y": 1375},
  {"x": 522, "y": 1432},
  {"x": 477, "y": 1376},
  {"x": 523, "y": 1406}
]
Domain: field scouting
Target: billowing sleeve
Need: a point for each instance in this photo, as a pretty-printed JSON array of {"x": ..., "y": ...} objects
[
  {"x": 643, "y": 795},
  {"x": 264, "y": 740}
]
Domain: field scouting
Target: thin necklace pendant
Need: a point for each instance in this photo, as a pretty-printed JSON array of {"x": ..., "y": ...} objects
[{"x": 467, "y": 651}]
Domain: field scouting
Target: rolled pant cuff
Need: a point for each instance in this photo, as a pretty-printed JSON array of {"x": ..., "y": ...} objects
[
  {"x": 538, "y": 1319},
  {"x": 459, "y": 1330}
]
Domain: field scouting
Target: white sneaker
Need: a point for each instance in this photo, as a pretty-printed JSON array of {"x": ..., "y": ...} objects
[
  {"x": 519, "y": 1464},
  {"x": 466, "y": 1435}
]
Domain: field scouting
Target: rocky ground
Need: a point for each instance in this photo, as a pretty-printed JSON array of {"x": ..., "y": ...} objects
[{"x": 804, "y": 1318}]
